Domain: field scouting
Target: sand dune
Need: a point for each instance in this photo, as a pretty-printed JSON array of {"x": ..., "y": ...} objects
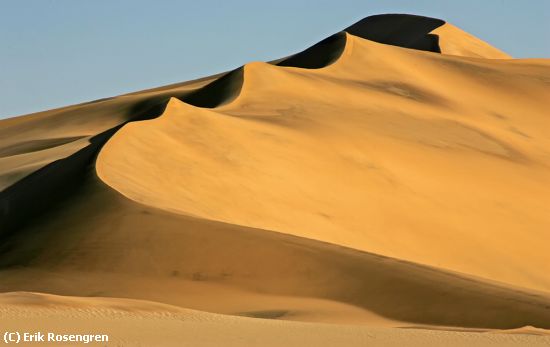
[
  {"x": 336, "y": 158},
  {"x": 395, "y": 175},
  {"x": 130, "y": 250}
]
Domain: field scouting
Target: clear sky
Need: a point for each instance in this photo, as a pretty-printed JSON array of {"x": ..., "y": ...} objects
[{"x": 60, "y": 52}]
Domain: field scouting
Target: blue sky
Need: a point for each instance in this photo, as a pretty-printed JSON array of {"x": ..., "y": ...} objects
[{"x": 60, "y": 52}]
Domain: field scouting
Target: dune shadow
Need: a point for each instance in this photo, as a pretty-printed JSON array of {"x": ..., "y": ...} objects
[
  {"x": 218, "y": 92},
  {"x": 319, "y": 55},
  {"x": 40, "y": 191},
  {"x": 403, "y": 30}
]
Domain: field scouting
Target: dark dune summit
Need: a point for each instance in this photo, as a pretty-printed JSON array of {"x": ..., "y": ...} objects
[{"x": 404, "y": 30}]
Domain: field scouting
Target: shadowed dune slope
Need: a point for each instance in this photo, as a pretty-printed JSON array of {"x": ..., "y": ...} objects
[
  {"x": 124, "y": 249},
  {"x": 358, "y": 152},
  {"x": 402, "y": 30},
  {"x": 219, "y": 92},
  {"x": 320, "y": 55}
]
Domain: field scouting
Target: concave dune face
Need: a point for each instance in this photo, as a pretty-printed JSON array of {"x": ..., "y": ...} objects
[{"x": 419, "y": 156}]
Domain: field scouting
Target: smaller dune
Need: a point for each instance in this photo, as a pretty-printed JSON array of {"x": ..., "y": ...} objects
[{"x": 124, "y": 322}]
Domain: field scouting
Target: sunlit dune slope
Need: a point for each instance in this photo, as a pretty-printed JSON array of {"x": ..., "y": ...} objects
[
  {"x": 454, "y": 41},
  {"x": 431, "y": 158}
]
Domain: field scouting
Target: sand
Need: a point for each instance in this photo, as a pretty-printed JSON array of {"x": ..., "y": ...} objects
[
  {"x": 386, "y": 186},
  {"x": 131, "y": 322}
]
